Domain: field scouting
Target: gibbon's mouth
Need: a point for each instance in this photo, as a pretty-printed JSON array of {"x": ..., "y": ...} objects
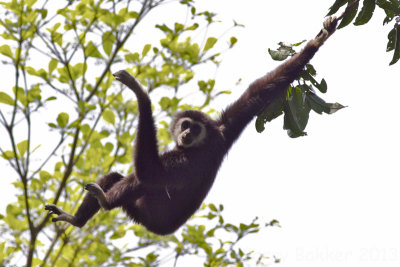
[{"x": 186, "y": 140}]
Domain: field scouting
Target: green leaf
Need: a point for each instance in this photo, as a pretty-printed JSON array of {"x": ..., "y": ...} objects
[
  {"x": 391, "y": 40},
  {"x": 349, "y": 16},
  {"x": 211, "y": 41},
  {"x": 3, "y": 253},
  {"x": 164, "y": 28},
  {"x": 78, "y": 70},
  {"x": 296, "y": 113},
  {"x": 91, "y": 50},
  {"x": 108, "y": 42},
  {"x": 6, "y": 99},
  {"x": 34, "y": 93},
  {"x": 299, "y": 43},
  {"x": 43, "y": 12},
  {"x": 53, "y": 65},
  {"x": 40, "y": 73},
  {"x": 316, "y": 103},
  {"x": 109, "y": 116},
  {"x": 165, "y": 103},
  {"x": 62, "y": 119},
  {"x": 311, "y": 70},
  {"x": 322, "y": 87},
  {"x": 146, "y": 49},
  {"x": 6, "y": 50},
  {"x": 51, "y": 98},
  {"x": 335, "y": 7},
  {"x": 193, "y": 27},
  {"x": 8, "y": 154},
  {"x": 272, "y": 111},
  {"x": 366, "y": 12},
  {"x": 57, "y": 38},
  {"x": 396, "y": 54},
  {"x": 391, "y": 7},
  {"x": 279, "y": 55},
  {"x": 119, "y": 233},
  {"x": 30, "y": 3},
  {"x": 22, "y": 148},
  {"x": 319, "y": 105},
  {"x": 132, "y": 57},
  {"x": 44, "y": 176},
  {"x": 133, "y": 15},
  {"x": 20, "y": 95},
  {"x": 13, "y": 217},
  {"x": 212, "y": 207},
  {"x": 179, "y": 27},
  {"x": 233, "y": 41}
]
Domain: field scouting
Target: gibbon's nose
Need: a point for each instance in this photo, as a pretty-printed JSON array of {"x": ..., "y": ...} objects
[{"x": 187, "y": 138}]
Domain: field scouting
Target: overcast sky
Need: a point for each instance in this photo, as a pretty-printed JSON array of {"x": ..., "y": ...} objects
[{"x": 336, "y": 191}]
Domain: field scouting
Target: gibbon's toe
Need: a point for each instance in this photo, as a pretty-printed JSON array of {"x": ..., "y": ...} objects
[
  {"x": 93, "y": 188},
  {"x": 53, "y": 209}
]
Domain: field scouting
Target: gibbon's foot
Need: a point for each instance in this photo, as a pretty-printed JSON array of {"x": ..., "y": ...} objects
[
  {"x": 329, "y": 27},
  {"x": 62, "y": 215},
  {"x": 96, "y": 191}
]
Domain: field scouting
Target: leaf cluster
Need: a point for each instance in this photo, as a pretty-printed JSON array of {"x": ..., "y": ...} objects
[
  {"x": 299, "y": 100},
  {"x": 363, "y": 16}
]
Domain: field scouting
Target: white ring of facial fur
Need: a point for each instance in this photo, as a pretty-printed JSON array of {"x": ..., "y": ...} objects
[{"x": 197, "y": 141}]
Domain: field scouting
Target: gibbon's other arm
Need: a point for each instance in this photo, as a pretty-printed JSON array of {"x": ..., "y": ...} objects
[
  {"x": 145, "y": 155},
  {"x": 265, "y": 89}
]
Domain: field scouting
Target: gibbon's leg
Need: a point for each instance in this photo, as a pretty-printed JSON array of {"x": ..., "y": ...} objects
[
  {"x": 123, "y": 193},
  {"x": 89, "y": 205}
]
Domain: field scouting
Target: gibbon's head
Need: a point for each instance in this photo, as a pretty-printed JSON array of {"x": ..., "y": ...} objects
[{"x": 192, "y": 128}]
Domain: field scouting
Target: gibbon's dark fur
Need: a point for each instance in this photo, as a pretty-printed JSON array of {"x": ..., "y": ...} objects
[{"x": 167, "y": 189}]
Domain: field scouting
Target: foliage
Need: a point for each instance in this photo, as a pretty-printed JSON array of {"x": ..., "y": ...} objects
[
  {"x": 59, "y": 60},
  {"x": 300, "y": 98},
  {"x": 392, "y": 11}
]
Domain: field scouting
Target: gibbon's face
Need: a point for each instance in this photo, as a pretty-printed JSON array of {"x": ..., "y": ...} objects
[{"x": 189, "y": 133}]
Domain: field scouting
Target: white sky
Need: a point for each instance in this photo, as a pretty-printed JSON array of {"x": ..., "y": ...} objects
[{"x": 335, "y": 192}]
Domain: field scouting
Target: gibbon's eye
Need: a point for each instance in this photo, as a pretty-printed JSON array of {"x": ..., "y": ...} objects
[
  {"x": 195, "y": 130},
  {"x": 185, "y": 125}
]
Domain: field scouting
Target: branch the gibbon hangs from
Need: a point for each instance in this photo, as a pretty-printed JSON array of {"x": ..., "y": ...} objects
[{"x": 167, "y": 189}]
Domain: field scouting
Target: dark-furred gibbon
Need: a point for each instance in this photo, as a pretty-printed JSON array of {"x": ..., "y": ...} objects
[{"x": 165, "y": 190}]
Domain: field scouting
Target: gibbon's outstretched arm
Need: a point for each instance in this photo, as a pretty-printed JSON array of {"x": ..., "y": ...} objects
[{"x": 262, "y": 91}]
